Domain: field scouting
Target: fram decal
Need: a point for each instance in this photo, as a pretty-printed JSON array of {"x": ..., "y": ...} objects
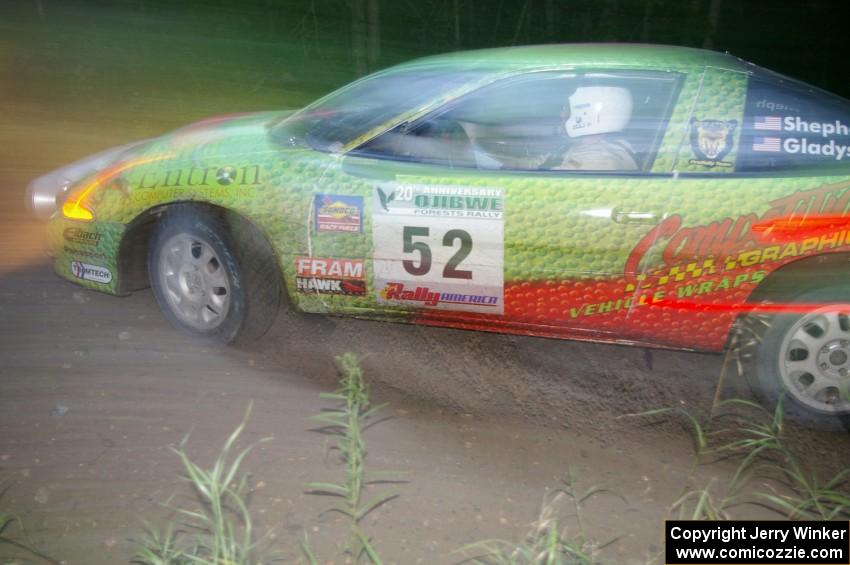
[
  {"x": 92, "y": 273},
  {"x": 338, "y": 213},
  {"x": 711, "y": 141},
  {"x": 330, "y": 276}
]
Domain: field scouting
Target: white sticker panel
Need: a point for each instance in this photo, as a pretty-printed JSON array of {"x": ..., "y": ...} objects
[{"x": 439, "y": 246}]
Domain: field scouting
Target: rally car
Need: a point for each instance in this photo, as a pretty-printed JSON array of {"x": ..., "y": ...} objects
[{"x": 645, "y": 195}]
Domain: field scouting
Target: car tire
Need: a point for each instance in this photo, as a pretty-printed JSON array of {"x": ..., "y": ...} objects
[
  {"x": 214, "y": 279},
  {"x": 802, "y": 358}
]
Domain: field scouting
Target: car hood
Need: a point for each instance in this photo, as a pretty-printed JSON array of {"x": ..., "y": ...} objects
[
  {"x": 45, "y": 193},
  {"x": 216, "y": 129}
]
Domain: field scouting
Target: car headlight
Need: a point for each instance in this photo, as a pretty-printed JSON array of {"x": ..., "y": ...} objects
[
  {"x": 46, "y": 193},
  {"x": 75, "y": 206},
  {"x": 78, "y": 204}
]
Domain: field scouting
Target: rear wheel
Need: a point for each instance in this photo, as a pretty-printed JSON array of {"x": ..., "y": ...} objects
[
  {"x": 210, "y": 280},
  {"x": 805, "y": 356}
]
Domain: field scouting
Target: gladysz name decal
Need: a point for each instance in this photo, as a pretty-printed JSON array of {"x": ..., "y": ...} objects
[
  {"x": 439, "y": 246},
  {"x": 330, "y": 276},
  {"x": 795, "y": 136}
]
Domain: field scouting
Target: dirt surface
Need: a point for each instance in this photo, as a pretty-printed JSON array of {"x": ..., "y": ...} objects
[{"x": 95, "y": 389}]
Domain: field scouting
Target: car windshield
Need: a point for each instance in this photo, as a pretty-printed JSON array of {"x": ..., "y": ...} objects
[{"x": 350, "y": 112}]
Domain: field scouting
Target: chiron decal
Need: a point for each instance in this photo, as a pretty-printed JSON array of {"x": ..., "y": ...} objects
[{"x": 226, "y": 175}]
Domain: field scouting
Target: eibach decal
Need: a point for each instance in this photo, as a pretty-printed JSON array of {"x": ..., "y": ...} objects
[{"x": 93, "y": 273}]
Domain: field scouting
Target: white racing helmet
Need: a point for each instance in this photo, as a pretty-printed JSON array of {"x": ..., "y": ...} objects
[{"x": 598, "y": 109}]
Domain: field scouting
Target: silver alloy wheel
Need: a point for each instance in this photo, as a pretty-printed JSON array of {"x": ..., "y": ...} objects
[
  {"x": 195, "y": 281},
  {"x": 815, "y": 360}
]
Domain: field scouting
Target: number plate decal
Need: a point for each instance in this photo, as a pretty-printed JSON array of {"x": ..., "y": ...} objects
[{"x": 439, "y": 246}]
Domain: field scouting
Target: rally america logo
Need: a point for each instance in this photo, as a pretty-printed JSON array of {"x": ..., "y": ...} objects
[
  {"x": 397, "y": 291},
  {"x": 711, "y": 141},
  {"x": 92, "y": 273}
]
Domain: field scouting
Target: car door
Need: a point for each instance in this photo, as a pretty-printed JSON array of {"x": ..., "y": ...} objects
[
  {"x": 477, "y": 222},
  {"x": 763, "y": 183}
]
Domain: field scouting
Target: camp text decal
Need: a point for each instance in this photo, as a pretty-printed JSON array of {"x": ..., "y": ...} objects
[{"x": 793, "y": 226}]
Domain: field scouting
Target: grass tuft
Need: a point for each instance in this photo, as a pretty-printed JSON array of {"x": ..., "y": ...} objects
[
  {"x": 347, "y": 421},
  {"x": 220, "y": 532},
  {"x": 7, "y": 522},
  {"x": 548, "y": 542},
  {"x": 761, "y": 448}
]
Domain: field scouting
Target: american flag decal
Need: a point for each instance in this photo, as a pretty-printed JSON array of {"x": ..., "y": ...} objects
[
  {"x": 771, "y": 123},
  {"x": 766, "y": 144}
]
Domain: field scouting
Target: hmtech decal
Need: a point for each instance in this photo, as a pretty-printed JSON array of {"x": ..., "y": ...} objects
[
  {"x": 92, "y": 273},
  {"x": 330, "y": 276},
  {"x": 338, "y": 213}
]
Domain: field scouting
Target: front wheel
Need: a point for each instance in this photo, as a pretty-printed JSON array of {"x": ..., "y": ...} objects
[
  {"x": 805, "y": 355},
  {"x": 209, "y": 283}
]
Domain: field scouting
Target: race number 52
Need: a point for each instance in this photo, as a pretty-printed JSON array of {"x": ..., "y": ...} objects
[
  {"x": 438, "y": 247},
  {"x": 423, "y": 265}
]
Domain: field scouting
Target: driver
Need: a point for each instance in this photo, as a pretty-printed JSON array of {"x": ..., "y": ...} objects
[{"x": 597, "y": 114}]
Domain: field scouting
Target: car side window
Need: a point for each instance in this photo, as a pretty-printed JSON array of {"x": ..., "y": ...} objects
[
  {"x": 790, "y": 126},
  {"x": 543, "y": 121}
]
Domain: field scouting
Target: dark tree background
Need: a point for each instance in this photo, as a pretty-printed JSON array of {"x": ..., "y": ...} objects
[{"x": 181, "y": 60}]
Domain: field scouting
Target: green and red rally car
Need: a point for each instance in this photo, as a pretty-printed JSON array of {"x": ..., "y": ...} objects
[{"x": 633, "y": 194}]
